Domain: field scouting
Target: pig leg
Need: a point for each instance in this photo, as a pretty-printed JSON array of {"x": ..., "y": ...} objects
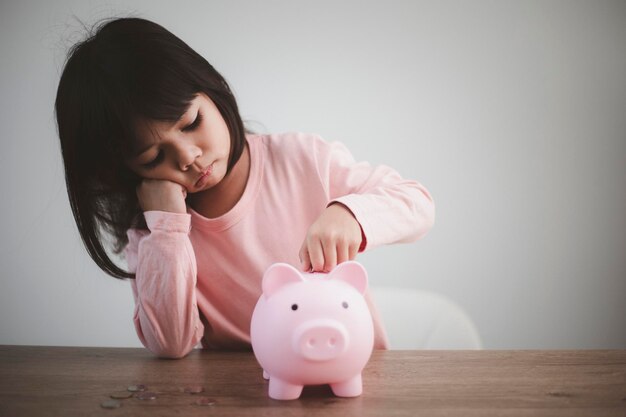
[
  {"x": 353, "y": 387},
  {"x": 283, "y": 390},
  {"x": 265, "y": 374}
]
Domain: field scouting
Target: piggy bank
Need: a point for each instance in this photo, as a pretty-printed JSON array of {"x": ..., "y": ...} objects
[{"x": 313, "y": 329}]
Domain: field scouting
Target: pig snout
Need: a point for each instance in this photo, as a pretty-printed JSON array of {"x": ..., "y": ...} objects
[{"x": 320, "y": 340}]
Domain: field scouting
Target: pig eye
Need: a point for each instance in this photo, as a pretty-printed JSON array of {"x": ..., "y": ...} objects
[
  {"x": 294, "y": 307},
  {"x": 344, "y": 304}
]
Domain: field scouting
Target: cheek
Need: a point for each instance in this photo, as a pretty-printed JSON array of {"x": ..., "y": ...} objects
[
  {"x": 158, "y": 173},
  {"x": 218, "y": 139}
]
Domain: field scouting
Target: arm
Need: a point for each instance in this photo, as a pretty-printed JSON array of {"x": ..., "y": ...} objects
[
  {"x": 166, "y": 314},
  {"x": 388, "y": 208}
]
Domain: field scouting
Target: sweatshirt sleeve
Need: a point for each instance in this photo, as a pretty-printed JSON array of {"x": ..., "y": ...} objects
[
  {"x": 166, "y": 314},
  {"x": 389, "y": 208}
]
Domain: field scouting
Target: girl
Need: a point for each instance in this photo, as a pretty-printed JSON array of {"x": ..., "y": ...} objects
[{"x": 158, "y": 163}]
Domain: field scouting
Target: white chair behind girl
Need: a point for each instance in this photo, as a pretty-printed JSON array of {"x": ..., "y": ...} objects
[{"x": 416, "y": 319}]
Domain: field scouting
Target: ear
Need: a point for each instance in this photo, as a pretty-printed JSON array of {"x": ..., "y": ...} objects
[
  {"x": 277, "y": 276},
  {"x": 351, "y": 272}
]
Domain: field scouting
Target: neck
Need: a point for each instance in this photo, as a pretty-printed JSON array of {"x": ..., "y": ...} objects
[{"x": 221, "y": 198}]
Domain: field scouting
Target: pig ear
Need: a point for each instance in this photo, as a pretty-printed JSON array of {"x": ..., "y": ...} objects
[
  {"x": 353, "y": 273},
  {"x": 277, "y": 276}
]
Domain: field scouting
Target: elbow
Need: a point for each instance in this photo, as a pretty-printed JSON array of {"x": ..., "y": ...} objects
[
  {"x": 424, "y": 219},
  {"x": 174, "y": 348},
  {"x": 424, "y": 226},
  {"x": 171, "y": 355},
  {"x": 170, "y": 352},
  {"x": 167, "y": 339},
  {"x": 169, "y": 348}
]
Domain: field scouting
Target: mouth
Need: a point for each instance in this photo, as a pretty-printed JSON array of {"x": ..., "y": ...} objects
[{"x": 204, "y": 175}]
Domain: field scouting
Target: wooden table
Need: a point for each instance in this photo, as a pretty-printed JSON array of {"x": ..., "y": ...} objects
[{"x": 70, "y": 381}]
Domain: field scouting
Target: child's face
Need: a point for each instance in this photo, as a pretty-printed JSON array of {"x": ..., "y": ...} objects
[{"x": 192, "y": 152}]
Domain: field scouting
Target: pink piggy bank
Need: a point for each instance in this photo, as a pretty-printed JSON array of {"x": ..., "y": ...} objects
[{"x": 312, "y": 329}]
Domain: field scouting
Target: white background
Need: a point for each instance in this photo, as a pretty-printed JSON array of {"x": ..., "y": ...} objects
[{"x": 512, "y": 113}]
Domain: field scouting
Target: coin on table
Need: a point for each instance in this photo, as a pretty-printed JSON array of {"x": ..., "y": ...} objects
[
  {"x": 205, "y": 401},
  {"x": 146, "y": 395},
  {"x": 194, "y": 389},
  {"x": 121, "y": 395},
  {"x": 110, "y": 404},
  {"x": 136, "y": 388}
]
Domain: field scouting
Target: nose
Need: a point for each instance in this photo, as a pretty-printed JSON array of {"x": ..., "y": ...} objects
[
  {"x": 187, "y": 155},
  {"x": 320, "y": 340}
]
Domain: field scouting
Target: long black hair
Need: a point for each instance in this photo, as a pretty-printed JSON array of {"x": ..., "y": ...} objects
[{"x": 125, "y": 71}]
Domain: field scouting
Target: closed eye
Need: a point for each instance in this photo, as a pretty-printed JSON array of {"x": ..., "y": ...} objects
[
  {"x": 156, "y": 161},
  {"x": 194, "y": 124}
]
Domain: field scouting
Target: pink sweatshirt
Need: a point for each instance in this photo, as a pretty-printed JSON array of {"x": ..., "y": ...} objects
[{"x": 198, "y": 279}]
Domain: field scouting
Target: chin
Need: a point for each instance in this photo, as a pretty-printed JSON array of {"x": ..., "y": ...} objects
[{"x": 213, "y": 181}]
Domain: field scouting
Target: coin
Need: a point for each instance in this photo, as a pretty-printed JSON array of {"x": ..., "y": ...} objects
[
  {"x": 205, "y": 401},
  {"x": 110, "y": 404},
  {"x": 120, "y": 395},
  {"x": 136, "y": 388},
  {"x": 146, "y": 395},
  {"x": 194, "y": 389}
]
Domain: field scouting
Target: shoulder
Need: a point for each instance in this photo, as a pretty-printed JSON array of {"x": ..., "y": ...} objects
[
  {"x": 290, "y": 140},
  {"x": 295, "y": 145}
]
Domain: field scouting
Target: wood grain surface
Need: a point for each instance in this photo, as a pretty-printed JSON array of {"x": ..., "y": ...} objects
[{"x": 74, "y": 381}]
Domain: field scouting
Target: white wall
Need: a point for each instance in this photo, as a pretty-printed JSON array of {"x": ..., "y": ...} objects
[{"x": 513, "y": 114}]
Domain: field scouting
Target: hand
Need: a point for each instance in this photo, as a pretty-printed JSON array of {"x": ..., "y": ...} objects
[
  {"x": 162, "y": 195},
  {"x": 335, "y": 237}
]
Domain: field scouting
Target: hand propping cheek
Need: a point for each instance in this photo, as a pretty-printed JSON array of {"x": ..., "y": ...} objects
[
  {"x": 335, "y": 237},
  {"x": 161, "y": 195}
]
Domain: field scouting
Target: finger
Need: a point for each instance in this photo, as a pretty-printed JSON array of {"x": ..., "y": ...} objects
[
  {"x": 316, "y": 254},
  {"x": 330, "y": 254},
  {"x": 343, "y": 252},
  {"x": 305, "y": 260},
  {"x": 353, "y": 250}
]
